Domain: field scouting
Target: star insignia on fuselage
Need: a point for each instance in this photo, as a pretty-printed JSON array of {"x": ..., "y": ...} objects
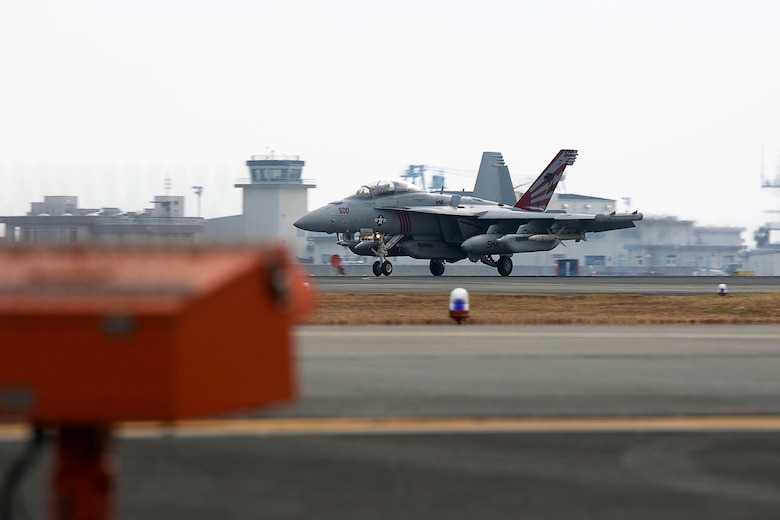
[{"x": 380, "y": 219}]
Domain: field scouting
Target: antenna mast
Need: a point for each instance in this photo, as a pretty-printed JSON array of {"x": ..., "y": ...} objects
[{"x": 199, "y": 192}]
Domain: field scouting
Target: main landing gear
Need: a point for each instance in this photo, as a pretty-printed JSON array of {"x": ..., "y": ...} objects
[
  {"x": 382, "y": 268},
  {"x": 503, "y": 264},
  {"x": 437, "y": 267}
]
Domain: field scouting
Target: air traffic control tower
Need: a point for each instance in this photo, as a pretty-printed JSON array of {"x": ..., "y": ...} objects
[{"x": 273, "y": 197}]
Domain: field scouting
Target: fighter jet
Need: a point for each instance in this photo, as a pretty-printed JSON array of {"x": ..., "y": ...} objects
[{"x": 390, "y": 218}]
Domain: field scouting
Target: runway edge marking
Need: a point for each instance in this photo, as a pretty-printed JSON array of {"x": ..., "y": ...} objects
[
  {"x": 347, "y": 426},
  {"x": 341, "y": 426},
  {"x": 441, "y": 332}
]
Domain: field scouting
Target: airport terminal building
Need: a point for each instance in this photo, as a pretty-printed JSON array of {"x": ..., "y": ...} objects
[{"x": 59, "y": 219}]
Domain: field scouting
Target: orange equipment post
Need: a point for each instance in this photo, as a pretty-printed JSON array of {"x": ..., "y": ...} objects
[
  {"x": 82, "y": 484},
  {"x": 90, "y": 336}
]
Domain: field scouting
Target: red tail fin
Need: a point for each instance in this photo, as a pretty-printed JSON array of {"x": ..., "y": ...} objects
[{"x": 539, "y": 194}]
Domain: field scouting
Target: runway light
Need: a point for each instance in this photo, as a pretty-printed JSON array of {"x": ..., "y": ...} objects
[
  {"x": 723, "y": 290},
  {"x": 459, "y": 304}
]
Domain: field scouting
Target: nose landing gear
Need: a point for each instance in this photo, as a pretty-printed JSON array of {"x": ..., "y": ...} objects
[{"x": 382, "y": 268}]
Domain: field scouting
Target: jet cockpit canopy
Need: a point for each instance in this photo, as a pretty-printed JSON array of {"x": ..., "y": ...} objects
[{"x": 383, "y": 188}]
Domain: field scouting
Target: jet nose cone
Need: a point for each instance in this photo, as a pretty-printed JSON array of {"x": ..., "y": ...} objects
[
  {"x": 304, "y": 222},
  {"x": 312, "y": 221}
]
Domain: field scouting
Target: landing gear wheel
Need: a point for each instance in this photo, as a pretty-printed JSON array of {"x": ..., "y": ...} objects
[
  {"x": 437, "y": 267},
  {"x": 505, "y": 265},
  {"x": 387, "y": 268},
  {"x": 377, "y": 268}
]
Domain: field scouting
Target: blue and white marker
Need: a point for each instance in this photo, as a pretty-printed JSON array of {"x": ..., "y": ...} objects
[{"x": 459, "y": 304}]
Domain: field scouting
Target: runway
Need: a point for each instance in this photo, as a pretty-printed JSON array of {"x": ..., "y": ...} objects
[
  {"x": 488, "y": 422},
  {"x": 542, "y": 371},
  {"x": 649, "y": 285}
]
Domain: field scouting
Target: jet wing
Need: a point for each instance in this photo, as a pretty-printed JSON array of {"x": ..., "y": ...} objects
[
  {"x": 599, "y": 222},
  {"x": 580, "y": 222}
]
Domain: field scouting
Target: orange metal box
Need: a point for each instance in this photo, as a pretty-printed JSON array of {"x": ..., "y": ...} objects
[{"x": 97, "y": 335}]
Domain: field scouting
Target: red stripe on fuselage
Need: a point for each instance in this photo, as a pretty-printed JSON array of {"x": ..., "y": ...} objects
[{"x": 406, "y": 223}]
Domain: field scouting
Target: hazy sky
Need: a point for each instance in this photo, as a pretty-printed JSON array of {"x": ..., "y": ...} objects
[{"x": 669, "y": 102}]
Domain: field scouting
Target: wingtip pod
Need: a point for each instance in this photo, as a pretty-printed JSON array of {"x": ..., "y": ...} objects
[{"x": 618, "y": 217}]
